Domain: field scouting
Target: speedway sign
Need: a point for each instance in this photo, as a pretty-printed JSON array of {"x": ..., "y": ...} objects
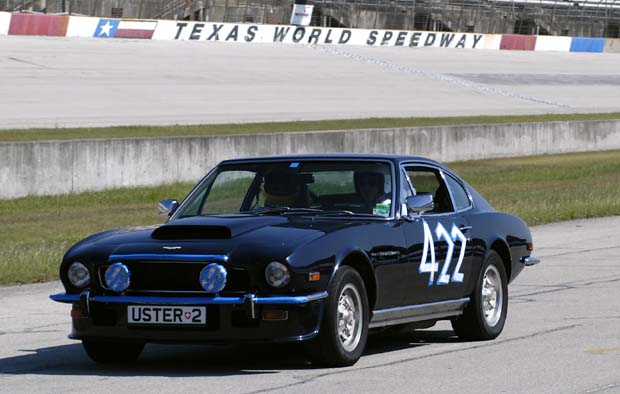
[{"x": 253, "y": 33}]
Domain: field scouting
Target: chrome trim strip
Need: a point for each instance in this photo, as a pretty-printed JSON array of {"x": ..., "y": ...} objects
[
  {"x": 287, "y": 299},
  {"x": 412, "y": 313},
  {"x": 530, "y": 260},
  {"x": 419, "y": 306},
  {"x": 415, "y": 318},
  {"x": 169, "y": 257},
  {"x": 65, "y": 298},
  {"x": 124, "y": 299}
]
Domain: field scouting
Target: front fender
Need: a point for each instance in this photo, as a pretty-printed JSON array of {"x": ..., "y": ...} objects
[
  {"x": 319, "y": 259},
  {"x": 358, "y": 259}
]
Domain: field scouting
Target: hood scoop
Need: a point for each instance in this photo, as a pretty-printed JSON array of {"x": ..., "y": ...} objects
[{"x": 185, "y": 232}]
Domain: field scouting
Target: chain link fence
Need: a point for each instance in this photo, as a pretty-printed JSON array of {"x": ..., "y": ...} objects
[{"x": 588, "y": 18}]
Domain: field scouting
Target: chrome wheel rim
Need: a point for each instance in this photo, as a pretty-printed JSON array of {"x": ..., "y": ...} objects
[
  {"x": 492, "y": 295},
  {"x": 349, "y": 317}
]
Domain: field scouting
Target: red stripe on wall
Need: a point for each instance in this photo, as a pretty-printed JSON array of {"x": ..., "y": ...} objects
[
  {"x": 518, "y": 42},
  {"x": 134, "y": 33},
  {"x": 38, "y": 25}
]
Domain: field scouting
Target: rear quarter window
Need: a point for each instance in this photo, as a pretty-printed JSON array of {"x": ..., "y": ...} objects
[{"x": 461, "y": 198}]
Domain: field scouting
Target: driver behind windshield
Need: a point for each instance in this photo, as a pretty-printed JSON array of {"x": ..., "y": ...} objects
[
  {"x": 369, "y": 186},
  {"x": 285, "y": 189}
]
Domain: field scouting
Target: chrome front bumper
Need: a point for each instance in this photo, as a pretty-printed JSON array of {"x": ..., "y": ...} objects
[
  {"x": 105, "y": 316},
  {"x": 146, "y": 300}
]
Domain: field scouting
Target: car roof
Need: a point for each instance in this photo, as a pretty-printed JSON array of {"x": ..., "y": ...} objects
[{"x": 338, "y": 156}]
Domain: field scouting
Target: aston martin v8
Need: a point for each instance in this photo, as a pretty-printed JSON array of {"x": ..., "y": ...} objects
[{"x": 320, "y": 249}]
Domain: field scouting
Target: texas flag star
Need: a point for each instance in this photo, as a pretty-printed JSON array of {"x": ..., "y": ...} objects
[{"x": 105, "y": 29}]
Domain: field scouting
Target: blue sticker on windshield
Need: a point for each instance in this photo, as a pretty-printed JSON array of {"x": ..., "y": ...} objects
[{"x": 294, "y": 165}]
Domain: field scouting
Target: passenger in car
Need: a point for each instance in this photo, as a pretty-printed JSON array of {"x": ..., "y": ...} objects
[{"x": 370, "y": 187}]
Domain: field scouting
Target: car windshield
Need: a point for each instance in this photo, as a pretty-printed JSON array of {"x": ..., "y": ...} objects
[{"x": 294, "y": 187}]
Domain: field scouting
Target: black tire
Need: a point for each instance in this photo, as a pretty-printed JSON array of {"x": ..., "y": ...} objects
[
  {"x": 106, "y": 352},
  {"x": 474, "y": 324},
  {"x": 329, "y": 348}
]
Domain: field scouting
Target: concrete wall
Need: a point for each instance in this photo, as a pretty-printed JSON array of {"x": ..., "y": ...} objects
[
  {"x": 612, "y": 46},
  {"x": 57, "y": 167}
]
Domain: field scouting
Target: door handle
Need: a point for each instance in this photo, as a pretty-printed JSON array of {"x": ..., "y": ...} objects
[{"x": 464, "y": 228}]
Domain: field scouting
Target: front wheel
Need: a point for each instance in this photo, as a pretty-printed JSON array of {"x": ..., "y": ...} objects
[
  {"x": 484, "y": 317},
  {"x": 344, "y": 329},
  {"x": 112, "y": 352}
]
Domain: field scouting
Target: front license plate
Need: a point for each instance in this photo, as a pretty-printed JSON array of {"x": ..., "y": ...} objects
[{"x": 165, "y": 314}]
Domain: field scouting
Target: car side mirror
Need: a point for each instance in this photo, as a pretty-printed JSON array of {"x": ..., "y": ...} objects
[
  {"x": 167, "y": 207},
  {"x": 420, "y": 203}
]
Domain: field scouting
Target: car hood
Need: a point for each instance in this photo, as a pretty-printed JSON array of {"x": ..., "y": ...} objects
[{"x": 236, "y": 237}]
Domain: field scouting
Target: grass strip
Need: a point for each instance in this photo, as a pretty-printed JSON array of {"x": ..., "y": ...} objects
[
  {"x": 36, "y": 231},
  {"x": 279, "y": 127}
]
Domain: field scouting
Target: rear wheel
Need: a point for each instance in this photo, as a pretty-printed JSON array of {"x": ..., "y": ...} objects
[
  {"x": 112, "y": 352},
  {"x": 344, "y": 329},
  {"x": 484, "y": 317}
]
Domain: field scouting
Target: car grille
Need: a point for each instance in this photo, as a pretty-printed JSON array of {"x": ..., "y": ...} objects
[{"x": 177, "y": 277}]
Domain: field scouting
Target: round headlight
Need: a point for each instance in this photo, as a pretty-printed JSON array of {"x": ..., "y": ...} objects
[
  {"x": 277, "y": 274},
  {"x": 78, "y": 274}
]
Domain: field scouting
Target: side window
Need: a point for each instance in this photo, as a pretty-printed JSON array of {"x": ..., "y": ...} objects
[
  {"x": 461, "y": 199},
  {"x": 428, "y": 180}
]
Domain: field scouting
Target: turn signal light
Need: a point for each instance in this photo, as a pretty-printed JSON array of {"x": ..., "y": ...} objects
[
  {"x": 275, "y": 314},
  {"x": 530, "y": 246},
  {"x": 314, "y": 276},
  {"x": 76, "y": 313}
]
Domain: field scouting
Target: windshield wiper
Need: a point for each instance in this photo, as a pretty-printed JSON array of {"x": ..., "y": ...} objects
[
  {"x": 283, "y": 210},
  {"x": 293, "y": 210},
  {"x": 347, "y": 213}
]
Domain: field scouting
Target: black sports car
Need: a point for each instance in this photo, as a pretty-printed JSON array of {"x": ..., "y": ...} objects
[{"x": 313, "y": 248}]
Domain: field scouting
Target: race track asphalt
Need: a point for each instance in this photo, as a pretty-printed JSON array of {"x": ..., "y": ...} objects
[
  {"x": 71, "y": 82},
  {"x": 562, "y": 336}
]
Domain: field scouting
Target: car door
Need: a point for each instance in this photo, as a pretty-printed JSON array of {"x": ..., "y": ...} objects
[
  {"x": 474, "y": 245},
  {"x": 438, "y": 260}
]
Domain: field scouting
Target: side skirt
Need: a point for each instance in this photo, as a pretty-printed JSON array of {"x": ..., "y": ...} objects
[{"x": 420, "y": 312}]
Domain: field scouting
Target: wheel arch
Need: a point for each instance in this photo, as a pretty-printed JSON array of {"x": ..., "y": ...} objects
[
  {"x": 360, "y": 261},
  {"x": 500, "y": 246}
]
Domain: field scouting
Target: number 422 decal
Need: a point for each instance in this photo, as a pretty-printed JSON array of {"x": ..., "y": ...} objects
[{"x": 432, "y": 267}]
